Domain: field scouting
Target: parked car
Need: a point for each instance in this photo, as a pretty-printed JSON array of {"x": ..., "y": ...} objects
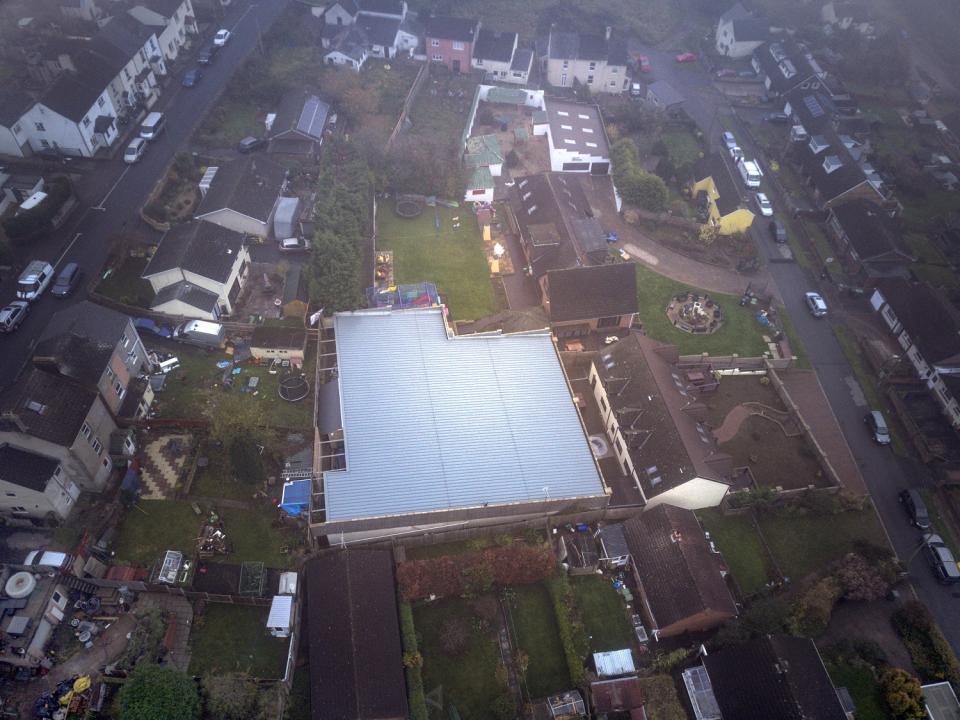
[
  {"x": 294, "y": 244},
  {"x": 877, "y": 425},
  {"x": 686, "y": 57},
  {"x": 191, "y": 78},
  {"x": 12, "y": 315},
  {"x": 207, "y": 54},
  {"x": 636, "y": 90},
  {"x": 777, "y": 231},
  {"x": 221, "y": 38},
  {"x": 34, "y": 279},
  {"x": 67, "y": 280},
  {"x": 249, "y": 144},
  {"x": 48, "y": 559},
  {"x": 728, "y": 140},
  {"x": 736, "y": 153},
  {"x": 763, "y": 202},
  {"x": 941, "y": 560},
  {"x": 816, "y": 304},
  {"x": 644, "y": 64},
  {"x": 726, "y": 73},
  {"x": 134, "y": 151},
  {"x": 201, "y": 333},
  {"x": 916, "y": 508},
  {"x": 777, "y": 118},
  {"x": 746, "y": 74},
  {"x": 146, "y": 325}
]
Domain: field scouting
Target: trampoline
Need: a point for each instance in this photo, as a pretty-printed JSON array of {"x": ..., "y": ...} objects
[
  {"x": 294, "y": 388},
  {"x": 408, "y": 207}
]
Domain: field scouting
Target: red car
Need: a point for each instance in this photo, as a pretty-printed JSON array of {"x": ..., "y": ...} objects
[
  {"x": 644, "y": 64},
  {"x": 686, "y": 57}
]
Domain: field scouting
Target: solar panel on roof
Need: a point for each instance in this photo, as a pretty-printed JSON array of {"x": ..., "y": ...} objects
[
  {"x": 813, "y": 105},
  {"x": 313, "y": 117}
]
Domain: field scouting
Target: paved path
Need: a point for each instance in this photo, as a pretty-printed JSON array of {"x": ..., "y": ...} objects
[
  {"x": 108, "y": 646},
  {"x": 731, "y": 424}
]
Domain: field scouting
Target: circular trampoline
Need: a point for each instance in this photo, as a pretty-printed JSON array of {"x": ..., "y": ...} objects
[
  {"x": 407, "y": 207},
  {"x": 294, "y": 388}
]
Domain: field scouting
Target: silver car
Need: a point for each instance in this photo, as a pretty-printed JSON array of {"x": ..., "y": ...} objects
[
  {"x": 816, "y": 304},
  {"x": 12, "y": 315}
]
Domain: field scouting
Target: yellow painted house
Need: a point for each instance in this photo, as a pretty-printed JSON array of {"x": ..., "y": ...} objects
[{"x": 718, "y": 201}]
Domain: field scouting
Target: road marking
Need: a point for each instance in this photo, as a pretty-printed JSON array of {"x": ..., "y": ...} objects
[
  {"x": 240, "y": 19},
  {"x": 64, "y": 253},
  {"x": 99, "y": 206}
]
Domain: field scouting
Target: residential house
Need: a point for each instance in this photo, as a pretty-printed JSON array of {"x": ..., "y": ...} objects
[
  {"x": 739, "y": 32},
  {"x": 663, "y": 96},
  {"x": 927, "y": 327},
  {"x": 679, "y": 576},
  {"x": 576, "y": 137},
  {"x": 136, "y": 41},
  {"x": 298, "y": 125},
  {"x": 772, "y": 678},
  {"x": 411, "y": 395},
  {"x": 717, "y": 197},
  {"x": 340, "y": 13},
  {"x": 493, "y": 53},
  {"x": 597, "y": 61},
  {"x": 449, "y": 41},
  {"x": 279, "y": 343},
  {"x": 80, "y": 10},
  {"x": 834, "y": 173},
  {"x": 241, "y": 194},
  {"x": 34, "y": 485},
  {"x": 198, "y": 270},
  {"x": 599, "y": 298},
  {"x": 173, "y": 21},
  {"x": 847, "y": 14},
  {"x": 654, "y": 421},
  {"x": 555, "y": 234},
  {"x": 870, "y": 239},
  {"x": 349, "y": 48},
  {"x": 378, "y": 28},
  {"x": 356, "y": 655},
  {"x": 58, "y": 418},
  {"x": 100, "y": 348},
  {"x": 14, "y": 137},
  {"x": 940, "y": 700},
  {"x": 785, "y": 65}
]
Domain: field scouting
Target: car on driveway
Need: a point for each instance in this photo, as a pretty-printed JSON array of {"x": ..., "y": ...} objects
[
  {"x": 816, "y": 304},
  {"x": 191, "y": 78},
  {"x": 47, "y": 559},
  {"x": 728, "y": 140},
  {"x": 686, "y": 57},
  {"x": 12, "y": 315},
  {"x": 206, "y": 56},
  {"x": 915, "y": 508},
  {"x": 877, "y": 425},
  {"x": 250, "y": 144},
  {"x": 293, "y": 244},
  {"x": 777, "y": 231},
  {"x": 941, "y": 560},
  {"x": 135, "y": 151},
  {"x": 221, "y": 38},
  {"x": 777, "y": 118},
  {"x": 766, "y": 207},
  {"x": 146, "y": 325},
  {"x": 644, "y": 64}
]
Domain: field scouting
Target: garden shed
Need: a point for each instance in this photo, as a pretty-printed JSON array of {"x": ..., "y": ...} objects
[
  {"x": 614, "y": 663},
  {"x": 281, "y": 615}
]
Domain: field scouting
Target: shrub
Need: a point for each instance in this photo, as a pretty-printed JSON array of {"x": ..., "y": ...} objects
[
  {"x": 666, "y": 662},
  {"x": 660, "y": 698},
  {"x": 412, "y": 662},
  {"x": 764, "y": 616},
  {"x": 512, "y": 159},
  {"x": 37, "y": 219},
  {"x": 931, "y": 654},
  {"x": 153, "y": 692},
  {"x": 504, "y": 708},
  {"x": 812, "y": 609},
  {"x": 902, "y": 694},
  {"x": 860, "y": 579},
  {"x": 637, "y": 186},
  {"x": 572, "y": 635}
]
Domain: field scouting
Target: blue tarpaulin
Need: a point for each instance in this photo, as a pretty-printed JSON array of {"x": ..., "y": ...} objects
[
  {"x": 296, "y": 496},
  {"x": 131, "y": 481}
]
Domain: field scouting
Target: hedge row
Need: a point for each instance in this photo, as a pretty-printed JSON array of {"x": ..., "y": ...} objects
[
  {"x": 931, "y": 653},
  {"x": 571, "y": 632},
  {"x": 412, "y": 660}
]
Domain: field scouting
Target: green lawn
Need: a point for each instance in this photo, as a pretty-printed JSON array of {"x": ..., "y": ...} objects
[
  {"x": 535, "y": 629},
  {"x": 229, "y": 638},
  {"x": 741, "y": 547},
  {"x": 808, "y": 543},
  {"x": 860, "y": 681},
  {"x": 125, "y": 284},
  {"x": 254, "y": 540},
  {"x": 450, "y": 257},
  {"x": 603, "y": 613},
  {"x": 740, "y": 333},
  {"x": 152, "y": 527},
  {"x": 468, "y": 681},
  {"x": 683, "y": 149}
]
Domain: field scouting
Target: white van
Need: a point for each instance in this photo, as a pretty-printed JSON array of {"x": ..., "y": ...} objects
[
  {"x": 750, "y": 172},
  {"x": 153, "y": 125},
  {"x": 34, "y": 280},
  {"x": 200, "y": 332}
]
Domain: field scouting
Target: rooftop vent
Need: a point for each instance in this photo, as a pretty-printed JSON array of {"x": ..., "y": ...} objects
[{"x": 38, "y": 407}]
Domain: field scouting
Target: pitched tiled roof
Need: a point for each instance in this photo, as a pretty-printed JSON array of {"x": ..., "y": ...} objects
[
  {"x": 832, "y": 169},
  {"x": 736, "y": 12},
  {"x": 380, "y": 30},
  {"x": 930, "y": 321},
  {"x": 680, "y": 575},
  {"x": 74, "y": 93},
  {"x": 870, "y": 231},
  {"x": 444, "y": 27},
  {"x": 785, "y": 63},
  {"x": 188, "y": 293},
  {"x": 751, "y": 30},
  {"x": 522, "y": 59},
  {"x": 356, "y": 657},
  {"x": 665, "y": 93},
  {"x": 249, "y": 186},
  {"x": 125, "y": 33},
  {"x": 773, "y": 678},
  {"x": 26, "y": 469},
  {"x": 198, "y": 247},
  {"x": 383, "y": 7},
  {"x": 494, "y": 45},
  {"x": 598, "y": 291},
  {"x": 49, "y": 406},
  {"x": 714, "y": 166},
  {"x": 13, "y": 104}
]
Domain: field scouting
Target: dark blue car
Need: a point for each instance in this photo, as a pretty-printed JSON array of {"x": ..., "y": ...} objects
[
  {"x": 149, "y": 326},
  {"x": 191, "y": 78}
]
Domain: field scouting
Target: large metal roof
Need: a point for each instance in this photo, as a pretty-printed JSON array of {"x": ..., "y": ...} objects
[{"x": 435, "y": 422}]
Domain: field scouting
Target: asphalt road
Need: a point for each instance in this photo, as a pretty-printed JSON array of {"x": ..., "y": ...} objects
[{"x": 112, "y": 192}]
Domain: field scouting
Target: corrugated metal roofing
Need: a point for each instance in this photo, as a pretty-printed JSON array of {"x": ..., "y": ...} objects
[
  {"x": 614, "y": 662},
  {"x": 281, "y": 610},
  {"x": 433, "y": 422}
]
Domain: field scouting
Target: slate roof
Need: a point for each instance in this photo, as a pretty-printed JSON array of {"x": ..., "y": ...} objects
[
  {"x": 782, "y": 79},
  {"x": 543, "y": 231},
  {"x": 814, "y": 110},
  {"x": 162, "y": 7},
  {"x": 618, "y": 695},
  {"x": 125, "y": 33},
  {"x": 680, "y": 576},
  {"x": 386, "y": 7},
  {"x": 351, "y": 42},
  {"x": 13, "y": 104},
  {"x": 444, "y": 27},
  {"x": 267, "y": 336},
  {"x": 432, "y": 408},
  {"x": 202, "y": 248},
  {"x": 586, "y": 293},
  {"x": 73, "y": 94},
  {"x": 63, "y": 403},
  {"x": 380, "y": 30},
  {"x": 613, "y": 540},
  {"x": 773, "y": 678},
  {"x": 26, "y": 469},
  {"x": 74, "y": 355},
  {"x": 494, "y": 45},
  {"x": 349, "y": 5},
  {"x": 751, "y": 30},
  {"x": 188, "y": 293},
  {"x": 667, "y": 443},
  {"x": 871, "y": 232},
  {"x": 89, "y": 320},
  {"x": 249, "y": 186},
  {"x": 930, "y": 321},
  {"x": 522, "y": 59},
  {"x": 665, "y": 93},
  {"x": 302, "y": 113},
  {"x": 840, "y": 180},
  {"x": 736, "y": 12},
  {"x": 713, "y": 165},
  {"x": 356, "y": 656}
]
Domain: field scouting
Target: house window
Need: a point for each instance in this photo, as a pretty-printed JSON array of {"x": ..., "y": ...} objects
[
  {"x": 438, "y": 58},
  {"x": 593, "y": 66},
  {"x": 518, "y": 75},
  {"x": 56, "y": 597},
  {"x": 613, "y": 83},
  {"x": 608, "y": 322},
  {"x": 57, "y": 472},
  {"x": 97, "y": 446},
  {"x": 111, "y": 375},
  {"x": 458, "y": 46},
  {"x": 479, "y": 62},
  {"x": 603, "y": 403},
  {"x": 565, "y": 64},
  {"x": 86, "y": 431},
  {"x": 40, "y": 127},
  {"x": 86, "y": 122},
  {"x": 11, "y": 494},
  {"x": 119, "y": 389},
  {"x": 17, "y": 128},
  {"x": 613, "y": 71},
  {"x": 143, "y": 56},
  {"x": 18, "y": 508},
  {"x": 100, "y": 101},
  {"x": 619, "y": 445},
  {"x": 44, "y": 143},
  {"x": 105, "y": 463},
  {"x": 589, "y": 79},
  {"x": 434, "y": 42},
  {"x": 126, "y": 74},
  {"x": 126, "y": 341}
]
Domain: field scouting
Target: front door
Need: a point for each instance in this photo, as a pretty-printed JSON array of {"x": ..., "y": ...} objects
[{"x": 456, "y": 66}]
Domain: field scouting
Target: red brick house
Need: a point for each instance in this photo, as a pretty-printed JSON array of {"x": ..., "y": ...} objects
[{"x": 449, "y": 41}]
